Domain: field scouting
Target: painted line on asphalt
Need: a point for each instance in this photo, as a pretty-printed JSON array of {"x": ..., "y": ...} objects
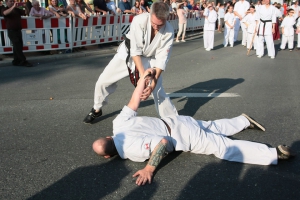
[{"x": 203, "y": 95}]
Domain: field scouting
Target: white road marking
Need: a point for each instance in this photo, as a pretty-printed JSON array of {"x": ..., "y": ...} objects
[{"x": 203, "y": 95}]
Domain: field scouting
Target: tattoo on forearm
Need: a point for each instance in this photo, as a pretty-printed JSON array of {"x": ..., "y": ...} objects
[{"x": 157, "y": 154}]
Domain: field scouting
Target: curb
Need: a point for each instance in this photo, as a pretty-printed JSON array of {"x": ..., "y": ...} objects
[{"x": 106, "y": 50}]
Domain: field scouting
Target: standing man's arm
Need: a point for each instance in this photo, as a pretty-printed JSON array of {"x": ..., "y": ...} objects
[
  {"x": 161, "y": 59},
  {"x": 138, "y": 91},
  {"x": 6, "y": 12}
]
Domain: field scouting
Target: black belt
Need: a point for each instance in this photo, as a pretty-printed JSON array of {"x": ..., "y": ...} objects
[
  {"x": 263, "y": 21},
  {"x": 168, "y": 127},
  {"x": 134, "y": 76}
]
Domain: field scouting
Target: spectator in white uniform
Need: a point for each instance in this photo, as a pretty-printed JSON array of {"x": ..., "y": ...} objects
[
  {"x": 148, "y": 44},
  {"x": 250, "y": 21},
  {"x": 240, "y": 10},
  {"x": 209, "y": 27},
  {"x": 141, "y": 138},
  {"x": 296, "y": 9},
  {"x": 266, "y": 16},
  {"x": 287, "y": 30},
  {"x": 229, "y": 27}
]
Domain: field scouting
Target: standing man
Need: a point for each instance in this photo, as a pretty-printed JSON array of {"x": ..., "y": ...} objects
[
  {"x": 148, "y": 45},
  {"x": 240, "y": 10},
  {"x": 140, "y": 138},
  {"x": 266, "y": 16},
  {"x": 12, "y": 16}
]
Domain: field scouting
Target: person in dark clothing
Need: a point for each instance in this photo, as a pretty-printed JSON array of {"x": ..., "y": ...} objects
[
  {"x": 100, "y": 6},
  {"x": 12, "y": 16},
  {"x": 28, "y": 5},
  {"x": 1, "y": 33}
]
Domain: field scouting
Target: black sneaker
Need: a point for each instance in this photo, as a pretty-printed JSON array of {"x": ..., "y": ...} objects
[
  {"x": 91, "y": 116},
  {"x": 284, "y": 152},
  {"x": 254, "y": 124}
]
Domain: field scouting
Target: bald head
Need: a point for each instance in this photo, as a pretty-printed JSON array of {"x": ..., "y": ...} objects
[{"x": 105, "y": 147}]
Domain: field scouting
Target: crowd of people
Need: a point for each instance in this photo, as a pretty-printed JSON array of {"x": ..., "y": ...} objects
[
  {"x": 260, "y": 23},
  {"x": 257, "y": 26}
]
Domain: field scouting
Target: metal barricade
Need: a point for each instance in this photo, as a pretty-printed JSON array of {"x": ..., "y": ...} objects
[
  {"x": 40, "y": 35},
  {"x": 96, "y": 30}
]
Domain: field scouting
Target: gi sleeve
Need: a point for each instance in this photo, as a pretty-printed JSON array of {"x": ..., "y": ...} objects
[
  {"x": 283, "y": 24},
  {"x": 273, "y": 16},
  {"x": 124, "y": 116},
  {"x": 136, "y": 37},
  {"x": 163, "y": 52}
]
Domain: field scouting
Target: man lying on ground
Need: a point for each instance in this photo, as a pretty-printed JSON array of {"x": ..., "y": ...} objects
[{"x": 142, "y": 138}]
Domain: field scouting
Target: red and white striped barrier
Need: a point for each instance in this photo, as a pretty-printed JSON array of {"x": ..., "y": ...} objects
[
  {"x": 67, "y": 32},
  {"x": 125, "y": 24},
  {"x": 96, "y": 30},
  {"x": 49, "y": 34}
]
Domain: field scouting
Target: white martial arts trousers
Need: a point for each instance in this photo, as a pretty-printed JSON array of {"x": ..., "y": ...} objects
[
  {"x": 115, "y": 71},
  {"x": 208, "y": 39},
  {"x": 287, "y": 39},
  {"x": 237, "y": 26},
  {"x": 182, "y": 29},
  {"x": 228, "y": 36},
  {"x": 213, "y": 140},
  {"x": 260, "y": 45},
  {"x": 249, "y": 40}
]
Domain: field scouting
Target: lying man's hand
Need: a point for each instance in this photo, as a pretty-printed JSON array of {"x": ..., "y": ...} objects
[{"x": 144, "y": 175}]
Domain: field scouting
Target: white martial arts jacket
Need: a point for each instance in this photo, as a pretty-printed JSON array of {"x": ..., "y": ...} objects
[
  {"x": 230, "y": 18},
  {"x": 287, "y": 24},
  {"x": 264, "y": 13},
  {"x": 241, "y": 8},
  {"x": 136, "y": 137},
  {"x": 140, "y": 34},
  {"x": 210, "y": 22},
  {"x": 250, "y": 19}
]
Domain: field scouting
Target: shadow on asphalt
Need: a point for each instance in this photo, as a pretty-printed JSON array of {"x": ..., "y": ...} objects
[
  {"x": 212, "y": 86},
  {"x": 95, "y": 182}
]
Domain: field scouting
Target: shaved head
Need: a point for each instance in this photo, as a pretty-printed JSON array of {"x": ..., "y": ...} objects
[{"x": 105, "y": 147}]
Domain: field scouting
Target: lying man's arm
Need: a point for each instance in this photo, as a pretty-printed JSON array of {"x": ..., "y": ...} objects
[
  {"x": 145, "y": 175},
  {"x": 137, "y": 93}
]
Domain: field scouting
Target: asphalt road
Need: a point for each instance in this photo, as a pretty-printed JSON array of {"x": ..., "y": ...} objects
[{"x": 46, "y": 149}]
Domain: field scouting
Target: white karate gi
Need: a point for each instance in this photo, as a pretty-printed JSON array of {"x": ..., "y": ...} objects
[
  {"x": 251, "y": 20},
  {"x": 228, "y": 32},
  {"x": 154, "y": 54},
  {"x": 136, "y": 137},
  {"x": 288, "y": 32},
  {"x": 209, "y": 28},
  {"x": 241, "y": 7},
  {"x": 266, "y": 34}
]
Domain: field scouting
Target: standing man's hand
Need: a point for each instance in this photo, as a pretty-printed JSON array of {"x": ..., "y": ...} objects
[{"x": 150, "y": 83}]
